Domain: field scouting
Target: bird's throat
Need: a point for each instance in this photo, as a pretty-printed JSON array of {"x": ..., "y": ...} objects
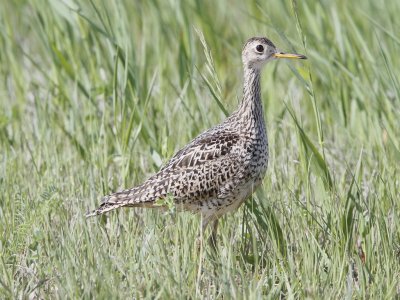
[{"x": 250, "y": 110}]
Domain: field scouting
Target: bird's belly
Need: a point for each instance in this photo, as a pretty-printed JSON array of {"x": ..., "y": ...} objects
[
  {"x": 230, "y": 194},
  {"x": 255, "y": 170},
  {"x": 218, "y": 207}
]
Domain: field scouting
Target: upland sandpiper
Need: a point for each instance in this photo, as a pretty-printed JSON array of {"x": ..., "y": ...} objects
[{"x": 222, "y": 167}]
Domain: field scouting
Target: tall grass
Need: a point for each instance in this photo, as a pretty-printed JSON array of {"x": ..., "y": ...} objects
[{"x": 96, "y": 96}]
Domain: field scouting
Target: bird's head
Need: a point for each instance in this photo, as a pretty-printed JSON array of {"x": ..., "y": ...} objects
[{"x": 259, "y": 50}]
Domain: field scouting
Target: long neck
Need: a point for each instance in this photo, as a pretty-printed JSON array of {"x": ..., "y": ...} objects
[{"x": 250, "y": 110}]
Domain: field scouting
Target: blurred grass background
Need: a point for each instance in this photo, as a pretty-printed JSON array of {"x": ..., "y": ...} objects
[{"x": 96, "y": 96}]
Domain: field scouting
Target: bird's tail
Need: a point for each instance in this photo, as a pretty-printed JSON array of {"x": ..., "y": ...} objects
[
  {"x": 139, "y": 196},
  {"x": 103, "y": 208},
  {"x": 114, "y": 201}
]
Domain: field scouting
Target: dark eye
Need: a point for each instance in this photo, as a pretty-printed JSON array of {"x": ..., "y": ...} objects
[{"x": 260, "y": 48}]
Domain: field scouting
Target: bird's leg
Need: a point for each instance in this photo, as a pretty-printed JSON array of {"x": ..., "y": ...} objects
[
  {"x": 199, "y": 239},
  {"x": 212, "y": 240}
]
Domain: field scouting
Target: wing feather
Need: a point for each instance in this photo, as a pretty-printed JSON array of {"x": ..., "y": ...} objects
[{"x": 201, "y": 170}]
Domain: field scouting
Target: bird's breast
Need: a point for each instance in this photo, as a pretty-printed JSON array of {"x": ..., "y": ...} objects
[{"x": 255, "y": 156}]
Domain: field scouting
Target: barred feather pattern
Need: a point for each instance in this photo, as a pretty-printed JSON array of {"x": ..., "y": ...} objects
[{"x": 216, "y": 171}]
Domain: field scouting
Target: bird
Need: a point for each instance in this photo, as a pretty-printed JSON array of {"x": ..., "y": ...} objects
[{"x": 219, "y": 169}]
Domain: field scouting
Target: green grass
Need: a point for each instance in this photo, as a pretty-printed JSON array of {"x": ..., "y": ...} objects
[{"x": 96, "y": 96}]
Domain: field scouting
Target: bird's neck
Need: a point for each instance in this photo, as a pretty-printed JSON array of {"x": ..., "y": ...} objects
[{"x": 250, "y": 110}]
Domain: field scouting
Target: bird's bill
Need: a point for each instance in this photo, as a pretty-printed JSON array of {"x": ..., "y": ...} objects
[{"x": 289, "y": 55}]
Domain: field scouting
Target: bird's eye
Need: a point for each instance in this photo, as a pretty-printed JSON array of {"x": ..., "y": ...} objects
[{"x": 260, "y": 48}]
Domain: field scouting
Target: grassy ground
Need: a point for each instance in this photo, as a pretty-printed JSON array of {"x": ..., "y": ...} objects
[{"x": 96, "y": 96}]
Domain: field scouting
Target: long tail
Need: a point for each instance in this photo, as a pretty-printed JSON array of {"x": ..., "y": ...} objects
[
  {"x": 113, "y": 201},
  {"x": 104, "y": 207},
  {"x": 141, "y": 196}
]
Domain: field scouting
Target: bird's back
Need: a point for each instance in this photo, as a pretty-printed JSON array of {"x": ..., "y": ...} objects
[
  {"x": 210, "y": 174},
  {"x": 220, "y": 168}
]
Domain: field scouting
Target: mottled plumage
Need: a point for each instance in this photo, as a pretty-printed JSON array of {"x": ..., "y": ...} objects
[{"x": 220, "y": 168}]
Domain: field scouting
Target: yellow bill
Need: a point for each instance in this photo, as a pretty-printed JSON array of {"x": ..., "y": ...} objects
[{"x": 289, "y": 55}]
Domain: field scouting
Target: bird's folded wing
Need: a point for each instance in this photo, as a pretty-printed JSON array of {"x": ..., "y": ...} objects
[
  {"x": 204, "y": 148},
  {"x": 205, "y": 168}
]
